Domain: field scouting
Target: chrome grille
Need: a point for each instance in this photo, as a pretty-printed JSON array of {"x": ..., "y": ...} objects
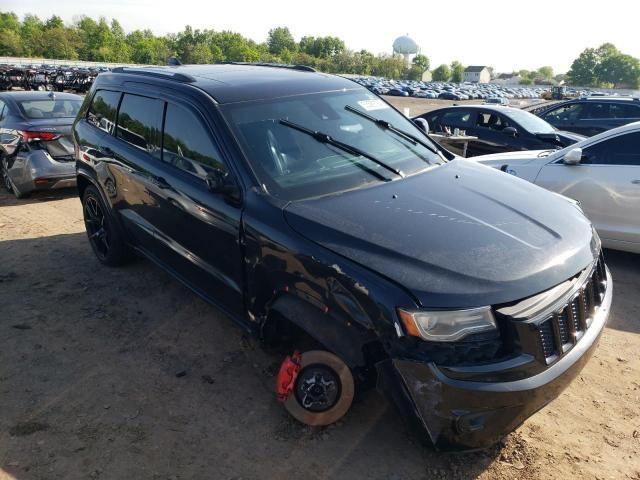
[{"x": 564, "y": 327}]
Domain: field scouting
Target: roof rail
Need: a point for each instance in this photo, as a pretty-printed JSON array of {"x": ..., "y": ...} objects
[
  {"x": 159, "y": 73},
  {"x": 302, "y": 68}
]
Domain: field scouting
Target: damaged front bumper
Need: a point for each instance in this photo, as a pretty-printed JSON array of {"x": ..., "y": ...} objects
[{"x": 464, "y": 415}]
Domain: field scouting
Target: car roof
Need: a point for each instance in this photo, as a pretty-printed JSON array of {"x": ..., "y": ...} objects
[
  {"x": 230, "y": 83},
  {"x": 20, "y": 96}
]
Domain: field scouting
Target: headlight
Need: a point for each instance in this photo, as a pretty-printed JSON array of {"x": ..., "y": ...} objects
[{"x": 447, "y": 325}]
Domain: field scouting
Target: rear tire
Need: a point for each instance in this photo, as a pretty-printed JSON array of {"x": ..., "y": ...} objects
[
  {"x": 334, "y": 380},
  {"x": 6, "y": 181},
  {"x": 105, "y": 238}
]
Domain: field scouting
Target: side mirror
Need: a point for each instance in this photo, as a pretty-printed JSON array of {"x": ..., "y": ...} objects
[
  {"x": 573, "y": 156},
  {"x": 422, "y": 124},
  {"x": 219, "y": 181},
  {"x": 510, "y": 131}
]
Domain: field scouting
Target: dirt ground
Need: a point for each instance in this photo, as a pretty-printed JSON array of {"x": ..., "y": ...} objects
[{"x": 125, "y": 374}]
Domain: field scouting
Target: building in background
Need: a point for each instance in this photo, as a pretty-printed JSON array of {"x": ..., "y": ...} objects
[
  {"x": 406, "y": 47},
  {"x": 511, "y": 79},
  {"x": 477, "y": 74}
]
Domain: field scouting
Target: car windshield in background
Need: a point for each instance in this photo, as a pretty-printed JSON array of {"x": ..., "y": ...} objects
[
  {"x": 50, "y": 108},
  {"x": 530, "y": 122},
  {"x": 295, "y": 165}
]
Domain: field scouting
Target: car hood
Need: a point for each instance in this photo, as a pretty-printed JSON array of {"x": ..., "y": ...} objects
[
  {"x": 521, "y": 157},
  {"x": 459, "y": 235}
]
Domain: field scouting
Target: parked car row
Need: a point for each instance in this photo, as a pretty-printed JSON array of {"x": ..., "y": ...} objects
[
  {"x": 447, "y": 91},
  {"x": 48, "y": 77}
]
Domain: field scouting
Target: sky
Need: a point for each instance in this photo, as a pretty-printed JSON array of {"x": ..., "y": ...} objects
[{"x": 507, "y": 35}]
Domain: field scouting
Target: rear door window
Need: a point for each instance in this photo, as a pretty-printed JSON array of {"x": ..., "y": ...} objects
[
  {"x": 620, "y": 150},
  {"x": 103, "y": 109},
  {"x": 567, "y": 113},
  {"x": 617, "y": 110},
  {"x": 187, "y": 144},
  {"x": 140, "y": 122},
  {"x": 598, "y": 110}
]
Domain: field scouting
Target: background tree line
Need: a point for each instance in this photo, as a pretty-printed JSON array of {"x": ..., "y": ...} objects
[{"x": 106, "y": 41}]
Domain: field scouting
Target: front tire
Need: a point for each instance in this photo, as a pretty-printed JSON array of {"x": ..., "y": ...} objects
[
  {"x": 323, "y": 389},
  {"x": 105, "y": 238}
]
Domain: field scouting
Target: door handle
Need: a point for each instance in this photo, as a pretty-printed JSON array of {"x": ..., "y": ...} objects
[{"x": 635, "y": 182}]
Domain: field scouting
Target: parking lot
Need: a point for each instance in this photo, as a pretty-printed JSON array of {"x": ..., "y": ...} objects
[{"x": 126, "y": 374}]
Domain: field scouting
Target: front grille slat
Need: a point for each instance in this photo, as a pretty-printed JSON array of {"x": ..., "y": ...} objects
[
  {"x": 546, "y": 339},
  {"x": 562, "y": 329}
]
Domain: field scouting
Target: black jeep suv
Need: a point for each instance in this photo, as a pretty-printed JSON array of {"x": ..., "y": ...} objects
[{"x": 324, "y": 221}]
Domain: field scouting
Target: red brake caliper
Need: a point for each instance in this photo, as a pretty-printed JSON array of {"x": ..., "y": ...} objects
[{"x": 287, "y": 376}]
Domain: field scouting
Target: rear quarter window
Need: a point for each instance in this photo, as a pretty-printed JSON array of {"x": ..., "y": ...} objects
[
  {"x": 140, "y": 122},
  {"x": 103, "y": 109}
]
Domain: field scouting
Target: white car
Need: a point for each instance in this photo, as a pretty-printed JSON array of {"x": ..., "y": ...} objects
[{"x": 600, "y": 172}]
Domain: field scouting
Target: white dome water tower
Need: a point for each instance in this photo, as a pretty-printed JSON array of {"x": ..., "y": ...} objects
[{"x": 406, "y": 47}]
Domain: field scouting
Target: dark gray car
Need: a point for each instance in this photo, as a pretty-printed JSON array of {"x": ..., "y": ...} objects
[
  {"x": 592, "y": 115},
  {"x": 36, "y": 149}
]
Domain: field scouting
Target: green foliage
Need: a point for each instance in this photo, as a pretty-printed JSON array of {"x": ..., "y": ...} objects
[
  {"x": 322, "y": 47},
  {"x": 415, "y": 73},
  {"x": 605, "y": 66},
  {"x": 422, "y": 62},
  {"x": 526, "y": 81},
  {"x": 441, "y": 74},
  {"x": 279, "y": 40},
  {"x": 545, "y": 73},
  {"x": 457, "y": 72}
]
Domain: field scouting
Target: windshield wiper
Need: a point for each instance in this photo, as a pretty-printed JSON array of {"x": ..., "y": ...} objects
[
  {"x": 329, "y": 140},
  {"x": 388, "y": 126}
]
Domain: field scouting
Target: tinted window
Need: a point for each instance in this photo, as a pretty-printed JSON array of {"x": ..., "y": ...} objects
[
  {"x": 459, "y": 117},
  {"x": 102, "y": 112},
  {"x": 621, "y": 150},
  {"x": 186, "y": 143},
  {"x": 3, "y": 110},
  {"x": 492, "y": 120},
  {"x": 568, "y": 113},
  {"x": 617, "y": 110},
  {"x": 598, "y": 110},
  {"x": 140, "y": 122}
]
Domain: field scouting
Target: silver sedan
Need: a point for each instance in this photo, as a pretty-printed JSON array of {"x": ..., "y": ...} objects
[
  {"x": 600, "y": 172},
  {"x": 36, "y": 149}
]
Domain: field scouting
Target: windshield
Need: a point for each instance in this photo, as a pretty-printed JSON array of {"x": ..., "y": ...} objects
[
  {"x": 530, "y": 122},
  {"x": 293, "y": 164},
  {"x": 50, "y": 108}
]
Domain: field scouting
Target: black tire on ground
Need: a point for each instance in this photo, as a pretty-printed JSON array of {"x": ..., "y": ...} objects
[
  {"x": 104, "y": 236},
  {"x": 342, "y": 403},
  {"x": 6, "y": 182}
]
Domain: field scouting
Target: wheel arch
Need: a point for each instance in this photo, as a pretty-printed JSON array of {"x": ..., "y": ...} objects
[{"x": 356, "y": 346}]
